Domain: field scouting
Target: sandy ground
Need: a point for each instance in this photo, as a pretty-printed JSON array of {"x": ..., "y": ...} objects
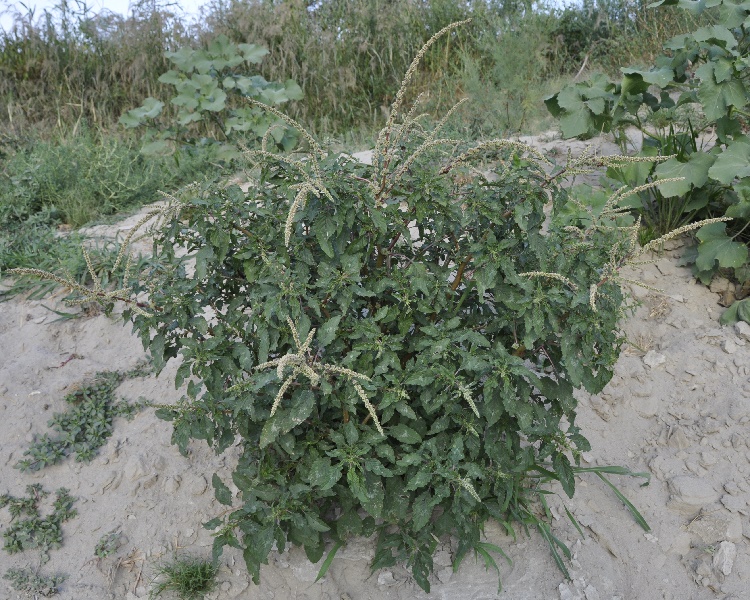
[{"x": 678, "y": 408}]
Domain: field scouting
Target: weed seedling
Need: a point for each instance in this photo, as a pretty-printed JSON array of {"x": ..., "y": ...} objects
[
  {"x": 36, "y": 531},
  {"x": 85, "y": 426},
  {"x": 189, "y": 578},
  {"x": 33, "y": 584},
  {"x": 107, "y": 545}
]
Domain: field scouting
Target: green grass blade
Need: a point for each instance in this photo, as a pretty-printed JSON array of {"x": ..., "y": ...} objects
[
  {"x": 552, "y": 542},
  {"x": 489, "y": 562},
  {"x": 573, "y": 520},
  {"x": 494, "y": 548},
  {"x": 633, "y": 510},
  {"x": 329, "y": 559}
]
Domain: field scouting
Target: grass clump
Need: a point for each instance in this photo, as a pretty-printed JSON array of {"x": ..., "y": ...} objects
[
  {"x": 86, "y": 426},
  {"x": 77, "y": 179},
  {"x": 49, "y": 187},
  {"x": 188, "y": 578},
  {"x": 32, "y": 584},
  {"x": 28, "y": 528}
]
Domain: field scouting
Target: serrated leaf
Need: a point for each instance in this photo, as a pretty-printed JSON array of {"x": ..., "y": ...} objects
[
  {"x": 221, "y": 491},
  {"x": 130, "y": 120},
  {"x": 420, "y": 379},
  {"x": 244, "y": 357},
  {"x": 256, "y": 552},
  {"x": 422, "y": 478},
  {"x": 215, "y": 102},
  {"x": 422, "y": 509},
  {"x": 293, "y": 90},
  {"x": 636, "y": 81},
  {"x": 323, "y": 474},
  {"x": 717, "y": 34},
  {"x": 171, "y": 77},
  {"x": 252, "y": 53},
  {"x": 316, "y": 523},
  {"x": 324, "y": 240},
  {"x": 564, "y": 472},
  {"x": 718, "y": 97},
  {"x": 286, "y": 419}
]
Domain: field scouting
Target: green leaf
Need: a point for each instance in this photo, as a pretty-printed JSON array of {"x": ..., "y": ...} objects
[
  {"x": 404, "y": 434},
  {"x": 222, "y": 492},
  {"x": 286, "y": 420},
  {"x": 150, "y": 109},
  {"x": 316, "y": 523},
  {"x": 635, "y": 81},
  {"x": 716, "y": 34},
  {"x": 733, "y": 162},
  {"x": 694, "y": 172},
  {"x": 157, "y": 148},
  {"x": 329, "y": 559},
  {"x": 575, "y": 116},
  {"x": 327, "y": 332},
  {"x": 718, "y": 97},
  {"x": 324, "y": 240},
  {"x": 564, "y": 473},
  {"x": 171, "y": 77},
  {"x": 293, "y": 90},
  {"x": 130, "y": 119},
  {"x": 215, "y": 102},
  {"x": 422, "y": 509},
  {"x": 633, "y": 510},
  {"x": 252, "y": 53},
  {"x": 256, "y": 552},
  {"x": 323, "y": 475},
  {"x": 716, "y": 246}
]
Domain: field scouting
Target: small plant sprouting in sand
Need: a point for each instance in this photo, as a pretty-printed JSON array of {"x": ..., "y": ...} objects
[
  {"x": 32, "y": 584},
  {"x": 188, "y": 578},
  {"x": 30, "y": 530},
  {"x": 86, "y": 425},
  {"x": 107, "y": 544}
]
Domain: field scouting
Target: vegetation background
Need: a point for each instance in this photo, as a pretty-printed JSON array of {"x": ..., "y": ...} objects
[{"x": 67, "y": 75}]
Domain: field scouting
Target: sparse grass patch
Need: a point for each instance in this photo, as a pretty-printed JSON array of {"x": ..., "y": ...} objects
[{"x": 189, "y": 578}]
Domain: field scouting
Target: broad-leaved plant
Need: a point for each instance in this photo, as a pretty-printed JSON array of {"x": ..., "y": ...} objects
[
  {"x": 215, "y": 100},
  {"x": 698, "y": 87}
]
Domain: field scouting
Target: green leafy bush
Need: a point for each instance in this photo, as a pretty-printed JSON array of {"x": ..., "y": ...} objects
[
  {"x": 697, "y": 87},
  {"x": 204, "y": 81},
  {"x": 394, "y": 347}
]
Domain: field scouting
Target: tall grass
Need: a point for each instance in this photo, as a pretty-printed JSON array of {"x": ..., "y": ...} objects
[{"x": 70, "y": 65}]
